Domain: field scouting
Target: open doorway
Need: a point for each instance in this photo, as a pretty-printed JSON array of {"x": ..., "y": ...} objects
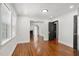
[
  {"x": 34, "y": 32},
  {"x": 53, "y": 31},
  {"x": 31, "y": 35}
]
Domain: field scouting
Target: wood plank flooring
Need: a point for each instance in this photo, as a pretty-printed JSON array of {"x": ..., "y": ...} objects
[{"x": 43, "y": 48}]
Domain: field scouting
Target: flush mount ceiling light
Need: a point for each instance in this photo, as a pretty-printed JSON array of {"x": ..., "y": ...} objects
[
  {"x": 72, "y": 6},
  {"x": 44, "y": 10}
]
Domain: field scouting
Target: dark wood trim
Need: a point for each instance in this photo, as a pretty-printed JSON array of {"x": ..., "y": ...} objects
[
  {"x": 57, "y": 33},
  {"x": 75, "y": 32}
]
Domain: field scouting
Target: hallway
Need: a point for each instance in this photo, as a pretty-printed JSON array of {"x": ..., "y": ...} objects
[{"x": 19, "y": 22}]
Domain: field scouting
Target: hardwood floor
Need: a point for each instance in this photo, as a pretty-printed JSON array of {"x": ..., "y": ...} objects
[{"x": 43, "y": 48}]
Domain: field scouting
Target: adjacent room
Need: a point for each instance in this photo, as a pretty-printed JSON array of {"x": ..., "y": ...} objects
[{"x": 39, "y": 29}]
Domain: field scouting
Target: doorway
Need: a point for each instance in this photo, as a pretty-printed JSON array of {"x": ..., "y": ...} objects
[
  {"x": 31, "y": 35},
  {"x": 34, "y": 32},
  {"x": 53, "y": 31}
]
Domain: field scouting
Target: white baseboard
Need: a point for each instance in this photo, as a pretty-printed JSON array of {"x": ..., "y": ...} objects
[
  {"x": 65, "y": 44},
  {"x": 6, "y": 40}
]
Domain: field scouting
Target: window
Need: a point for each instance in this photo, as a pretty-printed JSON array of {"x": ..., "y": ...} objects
[{"x": 7, "y": 24}]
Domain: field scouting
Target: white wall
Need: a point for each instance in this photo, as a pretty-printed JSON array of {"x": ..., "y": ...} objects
[
  {"x": 66, "y": 28},
  {"x": 23, "y": 29},
  {"x": 78, "y": 29},
  {"x": 35, "y": 33},
  {"x": 44, "y": 30},
  {"x": 0, "y": 22}
]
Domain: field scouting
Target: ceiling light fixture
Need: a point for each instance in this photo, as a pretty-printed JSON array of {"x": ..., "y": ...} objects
[{"x": 44, "y": 10}]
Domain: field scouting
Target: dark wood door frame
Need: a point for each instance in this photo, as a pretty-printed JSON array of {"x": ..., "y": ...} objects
[
  {"x": 75, "y": 32},
  {"x": 57, "y": 28}
]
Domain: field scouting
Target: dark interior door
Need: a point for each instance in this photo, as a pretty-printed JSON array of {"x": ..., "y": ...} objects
[
  {"x": 31, "y": 34},
  {"x": 75, "y": 33},
  {"x": 52, "y": 30}
]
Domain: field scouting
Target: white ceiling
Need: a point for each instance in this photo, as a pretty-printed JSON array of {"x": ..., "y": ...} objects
[{"x": 33, "y": 10}]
